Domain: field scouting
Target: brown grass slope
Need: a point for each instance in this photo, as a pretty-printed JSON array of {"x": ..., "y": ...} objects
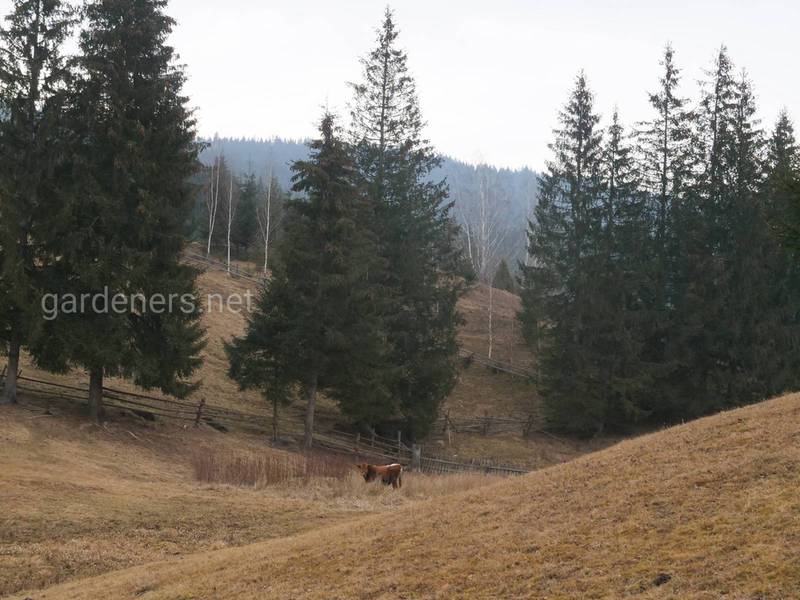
[
  {"x": 80, "y": 499},
  {"x": 710, "y": 509},
  {"x": 478, "y": 391}
]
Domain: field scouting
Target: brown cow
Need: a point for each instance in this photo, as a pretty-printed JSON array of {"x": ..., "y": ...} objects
[{"x": 389, "y": 474}]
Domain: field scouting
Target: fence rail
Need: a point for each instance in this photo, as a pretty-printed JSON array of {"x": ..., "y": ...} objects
[
  {"x": 496, "y": 365},
  {"x": 183, "y": 411},
  {"x": 234, "y": 270}
]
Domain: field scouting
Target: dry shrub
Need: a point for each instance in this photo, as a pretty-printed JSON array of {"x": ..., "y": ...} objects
[
  {"x": 263, "y": 469},
  {"x": 325, "y": 477}
]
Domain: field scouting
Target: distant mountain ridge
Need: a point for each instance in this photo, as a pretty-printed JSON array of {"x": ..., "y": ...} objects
[{"x": 512, "y": 192}]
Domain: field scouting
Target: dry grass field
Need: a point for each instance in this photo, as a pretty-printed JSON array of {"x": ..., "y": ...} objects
[
  {"x": 706, "y": 510},
  {"x": 81, "y": 500}
]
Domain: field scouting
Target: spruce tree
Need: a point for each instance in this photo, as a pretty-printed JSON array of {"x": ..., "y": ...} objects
[
  {"x": 317, "y": 326},
  {"x": 558, "y": 290},
  {"x": 244, "y": 222},
  {"x": 119, "y": 230},
  {"x": 664, "y": 147},
  {"x": 782, "y": 185},
  {"x": 34, "y": 76},
  {"x": 701, "y": 222},
  {"x": 419, "y": 282},
  {"x": 732, "y": 324},
  {"x": 503, "y": 279},
  {"x": 666, "y": 163},
  {"x": 624, "y": 314},
  {"x": 779, "y": 323}
]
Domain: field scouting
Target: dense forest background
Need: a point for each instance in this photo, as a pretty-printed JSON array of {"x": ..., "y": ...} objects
[{"x": 491, "y": 204}]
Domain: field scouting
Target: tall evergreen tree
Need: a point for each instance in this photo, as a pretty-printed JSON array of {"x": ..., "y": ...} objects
[
  {"x": 503, "y": 279},
  {"x": 783, "y": 182},
  {"x": 666, "y": 165},
  {"x": 418, "y": 237},
  {"x": 701, "y": 223},
  {"x": 317, "y": 325},
  {"x": 733, "y": 326},
  {"x": 624, "y": 314},
  {"x": 120, "y": 229},
  {"x": 779, "y": 327},
  {"x": 558, "y": 297},
  {"x": 244, "y": 221},
  {"x": 33, "y": 80},
  {"x": 666, "y": 158}
]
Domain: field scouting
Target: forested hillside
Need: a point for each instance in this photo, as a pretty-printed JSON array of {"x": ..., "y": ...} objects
[{"x": 492, "y": 204}]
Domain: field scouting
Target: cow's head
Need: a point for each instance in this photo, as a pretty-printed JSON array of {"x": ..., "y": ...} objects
[{"x": 366, "y": 470}]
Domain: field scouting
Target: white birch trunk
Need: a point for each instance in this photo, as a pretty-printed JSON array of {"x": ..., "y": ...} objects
[
  {"x": 491, "y": 313},
  {"x": 230, "y": 221},
  {"x": 212, "y": 204},
  {"x": 264, "y": 218}
]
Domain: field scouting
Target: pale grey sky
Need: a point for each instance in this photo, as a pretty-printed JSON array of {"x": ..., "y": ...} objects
[{"x": 491, "y": 76}]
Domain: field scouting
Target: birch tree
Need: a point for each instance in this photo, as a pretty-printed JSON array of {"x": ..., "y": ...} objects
[
  {"x": 230, "y": 216},
  {"x": 484, "y": 222},
  {"x": 212, "y": 201},
  {"x": 486, "y": 230},
  {"x": 268, "y": 216}
]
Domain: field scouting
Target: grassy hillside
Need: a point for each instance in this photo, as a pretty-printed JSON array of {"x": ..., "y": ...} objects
[
  {"x": 477, "y": 391},
  {"x": 80, "y": 499},
  {"x": 507, "y": 343},
  {"x": 706, "y": 510}
]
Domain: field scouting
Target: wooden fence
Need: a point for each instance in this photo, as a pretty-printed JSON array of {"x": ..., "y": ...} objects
[
  {"x": 362, "y": 447},
  {"x": 489, "y": 425},
  {"x": 468, "y": 356},
  {"x": 219, "y": 265}
]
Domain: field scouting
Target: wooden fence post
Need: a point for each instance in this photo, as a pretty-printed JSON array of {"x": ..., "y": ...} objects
[
  {"x": 526, "y": 430},
  {"x": 448, "y": 429},
  {"x": 399, "y": 445},
  {"x": 416, "y": 457},
  {"x": 199, "y": 412}
]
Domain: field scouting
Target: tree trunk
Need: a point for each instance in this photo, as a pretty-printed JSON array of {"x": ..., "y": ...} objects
[
  {"x": 266, "y": 232},
  {"x": 213, "y": 204},
  {"x": 311, "y": 397},
  {"x": 96, "y": 394},
  {"x": 491, "y": 314},
  {"x": 274, "y": 420},
  {"x": 10, "y": 390},
  {"x": 230, "y": 222}
]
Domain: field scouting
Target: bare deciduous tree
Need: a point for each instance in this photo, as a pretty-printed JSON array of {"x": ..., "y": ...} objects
[
  {"x": 212, "y": 202},
  {"x": 483, "y": 216},
  {"x": 231, "y": 214},
  {"x": 267, "y": 224},
  {"x": 486, "y": 227}
]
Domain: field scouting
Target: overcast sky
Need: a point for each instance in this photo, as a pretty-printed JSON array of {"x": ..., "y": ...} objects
[{"x": 491, "y": 76}]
